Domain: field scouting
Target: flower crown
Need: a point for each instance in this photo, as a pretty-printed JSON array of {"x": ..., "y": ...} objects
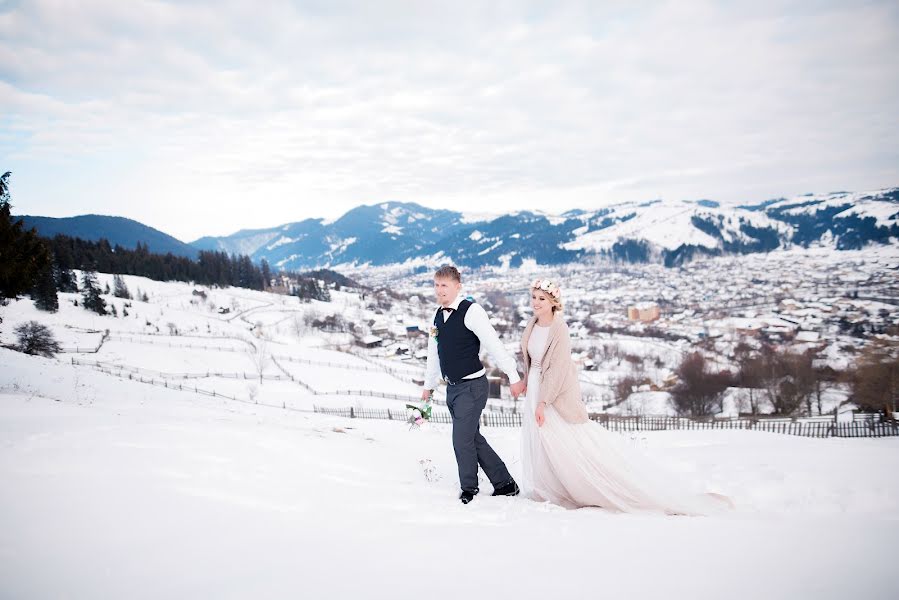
[{"x": 548, "y": 286}]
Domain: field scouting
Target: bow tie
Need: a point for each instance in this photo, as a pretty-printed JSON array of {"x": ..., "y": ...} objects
[{"x": 449, "y": 309}]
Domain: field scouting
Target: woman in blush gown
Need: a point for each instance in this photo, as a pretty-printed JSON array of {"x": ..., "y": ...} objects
[{"x": 569, "y": 460}]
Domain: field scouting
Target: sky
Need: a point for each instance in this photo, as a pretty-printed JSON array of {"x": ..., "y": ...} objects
[{"x": 203, "y": 118}]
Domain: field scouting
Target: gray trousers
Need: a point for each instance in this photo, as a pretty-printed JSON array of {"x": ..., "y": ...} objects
[{"x": 465, "y": 401}]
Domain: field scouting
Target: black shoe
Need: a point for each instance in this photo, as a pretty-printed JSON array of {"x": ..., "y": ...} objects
[
  {"x": 467, "y": 496},
  {"x": 510, "y": 488}
]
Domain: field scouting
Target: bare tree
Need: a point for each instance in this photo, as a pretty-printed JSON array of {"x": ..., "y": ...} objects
[
  {"x": 624, "y": 387},
  {"x": 36, "y": 339},
  {"x": 787, "y": 379},
  {"x": 750, "y": 375},
  {"x": 699, "y": 392},
  {"x": 875, "y": 379},
  {"x": 260, "y": 357},
  {"x": 823, "y": 376}
]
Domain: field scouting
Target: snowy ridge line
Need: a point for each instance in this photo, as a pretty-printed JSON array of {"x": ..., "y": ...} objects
[{"x": 620, "y": 424}]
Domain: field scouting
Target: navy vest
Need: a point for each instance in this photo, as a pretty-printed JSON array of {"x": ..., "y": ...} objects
[{"x": 457, "y": 346}]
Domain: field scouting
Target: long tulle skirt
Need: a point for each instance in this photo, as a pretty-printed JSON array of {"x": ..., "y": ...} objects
[{"x": 578, "y": 465}]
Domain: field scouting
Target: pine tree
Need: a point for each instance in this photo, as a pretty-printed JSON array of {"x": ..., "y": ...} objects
[
  {"x": 66, "y": 281},
  {"x": 22, "y": 253},
  {"x": 106, "y": 290},
  {"x": 120, "y": 290},
  {"x": 113, "y": 311},
  {"x": 266, "y": 275},
  {"x": 44, "y": 292},
  {"x": 90, "y": 293}
]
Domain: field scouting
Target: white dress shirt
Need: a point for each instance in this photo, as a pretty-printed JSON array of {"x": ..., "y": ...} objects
[{"x": 476, "y": 321}]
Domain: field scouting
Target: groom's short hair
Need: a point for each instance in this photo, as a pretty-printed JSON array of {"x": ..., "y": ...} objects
[{"x": 448, "y": 272}]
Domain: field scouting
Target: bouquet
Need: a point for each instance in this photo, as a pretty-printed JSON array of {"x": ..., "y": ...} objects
[{"x": 417, "y": 415}]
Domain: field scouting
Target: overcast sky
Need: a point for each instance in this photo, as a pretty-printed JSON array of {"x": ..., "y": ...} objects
[{"x": 202, "y": 118}]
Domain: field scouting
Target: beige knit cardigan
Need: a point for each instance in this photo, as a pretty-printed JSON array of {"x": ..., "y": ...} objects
[{"x": 559, "y": 386}]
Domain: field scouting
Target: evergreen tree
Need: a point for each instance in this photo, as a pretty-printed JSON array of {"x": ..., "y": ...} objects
[
  {"x": 309, "y": 289},
  {"x": 113, "y": 311},
  {"x": 106, "y": 290},
  {"x": 90, "y": 293},
  {"x": 120, "y": 290},
  {"x": 22, "y": 253},
  {"x": 266, "y": 275},
  {"x": 210, "y": 268},
  {"x": 44, "y": 292},
  {"x": 65, "y": 280}
]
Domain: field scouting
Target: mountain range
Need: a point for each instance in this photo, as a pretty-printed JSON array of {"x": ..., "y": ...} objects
[
  {"x": 116, "y": 230},
  {"x": 666, "y": 231}
]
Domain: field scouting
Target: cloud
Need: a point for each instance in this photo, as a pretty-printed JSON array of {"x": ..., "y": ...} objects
[{"x": 308, "y": 109}]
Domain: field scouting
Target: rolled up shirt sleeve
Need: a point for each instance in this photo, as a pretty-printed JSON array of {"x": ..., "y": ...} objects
[
  {"x": 432, "y": 369},
  {"x": 478, "y": 322}
]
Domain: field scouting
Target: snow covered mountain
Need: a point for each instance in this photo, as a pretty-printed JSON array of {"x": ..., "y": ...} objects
[
  {"x": 670, "y": 232},
  {"x": 665, "y": 231}
]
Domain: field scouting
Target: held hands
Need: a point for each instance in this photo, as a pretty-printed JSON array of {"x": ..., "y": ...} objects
[
  {"x": 425, "y": 395},
  {"x": 539, "y": 414},
  {"x": 518, "y": 389}
]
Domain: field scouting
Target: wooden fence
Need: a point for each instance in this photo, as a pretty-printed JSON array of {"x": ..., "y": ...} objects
[
  {"x": 109, "y": 367},
  {"x": 815, "y": 428},
  {"x": 77, "y": 350}
]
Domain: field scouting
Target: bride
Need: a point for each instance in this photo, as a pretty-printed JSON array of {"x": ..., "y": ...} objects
[{"x": 566, "y": 458}]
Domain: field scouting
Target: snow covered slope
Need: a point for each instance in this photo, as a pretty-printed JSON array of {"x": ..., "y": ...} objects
[
  {"x": 114, "y": 487},
  {"x": 121, "y": 489}
]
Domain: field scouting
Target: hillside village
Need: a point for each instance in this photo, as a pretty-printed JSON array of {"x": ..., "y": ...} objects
[
  {"x": 633, "y": 325},
  {"x": 831, "y": 305}
]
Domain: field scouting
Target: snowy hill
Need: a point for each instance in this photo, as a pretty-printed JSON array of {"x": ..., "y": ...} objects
[
  {"x": 844, "y": 220},
  {"x": 122, "y": 478}
]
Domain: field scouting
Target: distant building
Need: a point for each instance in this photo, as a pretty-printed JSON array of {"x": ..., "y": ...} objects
[
  {"x": 644, "y": 311},
  {"x": 281, "y": 285},
  {"x": 749, "y": 330},
  {"x": 372, "y": 341}
]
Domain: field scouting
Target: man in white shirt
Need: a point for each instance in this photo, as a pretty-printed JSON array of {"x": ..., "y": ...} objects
[{"x": 460, "y": 328}]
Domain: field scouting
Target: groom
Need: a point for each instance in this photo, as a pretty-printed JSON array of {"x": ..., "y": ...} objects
[{"x": 460, "y": 328}]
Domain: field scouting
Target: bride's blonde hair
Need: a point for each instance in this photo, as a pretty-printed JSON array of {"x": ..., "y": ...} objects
[{"x": 552, "y": 291}]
